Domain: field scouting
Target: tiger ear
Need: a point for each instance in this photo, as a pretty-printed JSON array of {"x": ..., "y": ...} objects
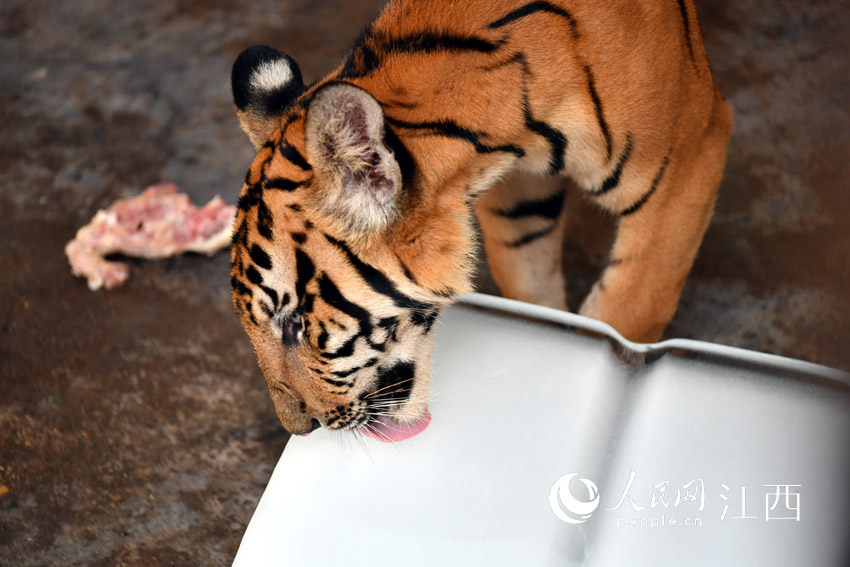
[
  {"x": 265, "y": 82},
  {"x": 360, "y": 176}
]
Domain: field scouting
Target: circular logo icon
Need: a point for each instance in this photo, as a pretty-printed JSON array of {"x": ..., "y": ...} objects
[{"x": 567, "y": 507}]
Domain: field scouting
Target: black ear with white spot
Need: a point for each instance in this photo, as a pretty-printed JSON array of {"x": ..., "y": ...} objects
[
  {"x": 265, "y": 82},
  {"x": 360, "y": 175}
]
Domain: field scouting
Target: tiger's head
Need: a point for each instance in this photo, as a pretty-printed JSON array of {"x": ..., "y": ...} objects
[{"x": 342, "y": 255}]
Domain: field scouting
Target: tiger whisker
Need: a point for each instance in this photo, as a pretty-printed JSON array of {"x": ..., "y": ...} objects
[
  {"x": 400, "y": 388},
  {"x": 382, "y": 401},
  {"x": 358, "y": 435},
  {"x": 377, "y": 432},
  {"x": 394, "y": 384},
  {"x": 383, "y": 406},
  {"x": 392, "y": 393}
]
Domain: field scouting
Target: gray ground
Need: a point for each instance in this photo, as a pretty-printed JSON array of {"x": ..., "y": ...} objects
[{"x": 135, "y": 428}]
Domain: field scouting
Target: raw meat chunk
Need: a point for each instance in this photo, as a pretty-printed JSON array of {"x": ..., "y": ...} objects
[{"x": 159, "y": 223}]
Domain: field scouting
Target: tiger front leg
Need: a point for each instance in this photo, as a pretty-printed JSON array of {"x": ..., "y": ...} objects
[
  {"x": 659, "y": 234},
  {"x": 523, "y": 220}
]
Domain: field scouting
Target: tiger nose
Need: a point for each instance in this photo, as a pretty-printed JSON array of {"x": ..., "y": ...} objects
[{"x": 314, "y": 425}]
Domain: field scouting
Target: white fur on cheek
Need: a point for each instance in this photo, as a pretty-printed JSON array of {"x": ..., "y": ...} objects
[{"x": 417, "y": 346}]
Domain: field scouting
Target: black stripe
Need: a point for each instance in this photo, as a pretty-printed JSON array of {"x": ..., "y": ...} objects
[
  {"x": 407, "y": 273},
  {"x": 447, "y": 292},
  {"x": 322, "y": 339},
  {"x": 337, "y": 383},
  {"x": 376, "y": 279},
  {"x": 645, "y": 197},
  {"x": 307, "y": 302},
  {"x": 281, "y": 183},
  {"x": 555, "y": 138},
  {"x": 361, "y": 62},
  {"x": 425, "y": 319},
  {"x": 292, "y": 116},
  {"x": 346, "y": 373},
  {"x": 548, "y": 208},
  {"x": 299, "y": 237},
  {"x": 251, "y": 314},
  {"x": 253, "y": 192},
  {"x": 253, "y": 275},
  {"x": 240, "y": 288},
  {"x": 292, "y": 154},
  {"x": 614, "y": 179},
  {"x": 259, "y": 257},
  {"x": 430, "y": 43},
  {"x": 265, "y": 309},
  {"x": 534, "y": 8},
  {"x": 361, "y": 59},
  {"x": 390, "y": 325},
  {"x": 249, "y": 198},
  {"x": 687, "y": 24},
  {"x": 346, "y": 350},
  {"x": 597, "y": 105},
  {"x": 402, "y": 157},
  {"x": 331, "y": 295},
  {"x": 265, "y": 221},
  {"x": 240, "y": 235},
  {"x": 305, "y": 270},
  {"x": 515, "y": 58},
  {"x": 271, "y": 293},
  {"x": 531, "y": 237},
  {"x": 364, "y": 58},
  {"x": 451, "y": 129}
]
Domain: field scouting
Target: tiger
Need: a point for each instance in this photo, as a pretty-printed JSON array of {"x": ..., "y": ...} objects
[{"x": 356, "y": 221}]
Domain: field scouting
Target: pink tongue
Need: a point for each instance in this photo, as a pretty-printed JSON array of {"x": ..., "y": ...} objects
[{"x": 388, "y": 430}]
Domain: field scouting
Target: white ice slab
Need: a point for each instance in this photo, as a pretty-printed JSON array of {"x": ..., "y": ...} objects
[{"x": 524, "y": 395}]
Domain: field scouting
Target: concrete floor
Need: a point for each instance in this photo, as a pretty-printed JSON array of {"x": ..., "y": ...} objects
[{"x": 135, "y": 427}]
